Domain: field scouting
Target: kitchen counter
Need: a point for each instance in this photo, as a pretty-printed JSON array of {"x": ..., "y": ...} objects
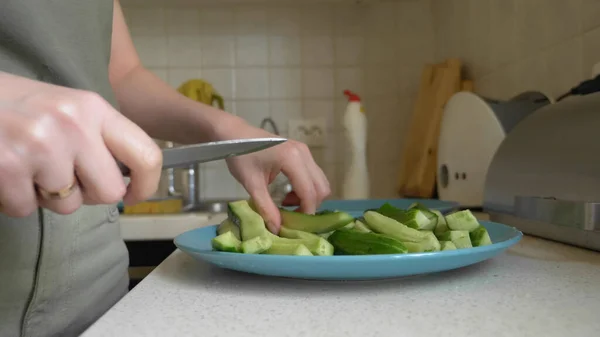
[{"x": 536, "y": 288}]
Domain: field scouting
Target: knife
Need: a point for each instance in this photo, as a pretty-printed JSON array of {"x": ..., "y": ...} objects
[{"x": 187, "y": 155}]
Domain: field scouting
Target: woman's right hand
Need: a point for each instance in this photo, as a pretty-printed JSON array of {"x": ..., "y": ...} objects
[{"x": 51, "y": 136}]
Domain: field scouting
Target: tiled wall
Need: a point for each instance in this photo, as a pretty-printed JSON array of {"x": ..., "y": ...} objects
[
  {"x": 514, "y": 45},
  {"x": 294, "y": 61}
]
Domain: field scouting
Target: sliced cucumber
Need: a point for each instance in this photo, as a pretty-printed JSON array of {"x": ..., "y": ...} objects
[
  {"x": 279, "y": 248},
  {"x": 429, "y": 244},
  {"x": 460, "y": 239},
  {"x": 256, "y": 245},
  {"x": 480, "y": 237},
  {"x": 441, "y": 225},
  {"x": 315, "y": 223},
  {"x": 413, "y": 218},
  {"x": 317, "y": 246},
  {"x": 228, "y": 226},
  {"x": 447, "y": 245},
  {"x": 359, "y": 226},
  {"x": 227, "y": 242},
  {"x": 380, "y": 223},
  {"x": 251, "y": 224},
  {"x": 430, "y": 214},
  {"x": 288, "y": 233},
  {"x": 462, "y": 221},
  {"x": 350, "y": 242}
]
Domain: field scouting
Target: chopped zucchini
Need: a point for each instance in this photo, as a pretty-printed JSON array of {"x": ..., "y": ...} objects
[
  {"x": 256, "y": 245},
  {"x": 429, "y": 244},
  {"x": 480, "y": 237},
  {"x": 280, "y": 248},
  {"x": 315, "y": 223},
  {"x": 430, "y": 214},
  {"x": 382, "y": 224},
  {"x": 442, "y": 225},
  {"x": 251, "y": 224},
  {"x": 325, "y": 235},
  {"x": 350, "y": 242},
  {"x": 227, "y": 242},
  {"x": 447, "y": 245},
  {"x": 288, "y": 233},
  {"x": 462, "y": 221},
  {"x": 228, "y": 226},
  {"x": 460, "y": 239},
  {"x": 317, "y": 245}
]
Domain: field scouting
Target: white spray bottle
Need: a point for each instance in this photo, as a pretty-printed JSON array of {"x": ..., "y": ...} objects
[{"x": 356, "y": 180}]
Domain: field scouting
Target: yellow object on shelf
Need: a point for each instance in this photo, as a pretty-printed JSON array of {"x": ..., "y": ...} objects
[
  {"x": 158, "y": 206},
  {"x": 201, "y": 91}
]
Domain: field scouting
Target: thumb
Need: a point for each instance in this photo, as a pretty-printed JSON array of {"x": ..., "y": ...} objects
[{"x": 264, "y": 205}]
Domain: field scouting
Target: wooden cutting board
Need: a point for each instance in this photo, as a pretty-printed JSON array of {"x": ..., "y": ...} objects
[{"x": 417, "y": 175}]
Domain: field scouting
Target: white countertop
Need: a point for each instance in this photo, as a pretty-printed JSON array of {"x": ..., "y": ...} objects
[{"x": 537, "y": 288}]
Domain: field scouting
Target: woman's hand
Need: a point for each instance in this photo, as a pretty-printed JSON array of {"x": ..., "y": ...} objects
[
  {"x": 257, "y": 170},
  {"x": 52, "y": 137}
]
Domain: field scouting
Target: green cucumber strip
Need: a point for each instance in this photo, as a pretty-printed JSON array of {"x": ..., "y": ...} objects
[
  {"x": 297, "y": 249},
  {"x": 251, "y": 224},
  {"x": 480, "y": 237},
  {"x": 382, "y": 224},
  {"x": 288, "y": 233},
  {"x": 227, "y": 242},
  {"x": 315, "y": 223},
  {"x": 462, "y": 221},
  {"x": 256, "y": 245},
  {"x": 351, "y": 242},
  {"x": 429, "y": 213},
  {"x": 429, "y": 244},
  {"x": 317, "y": 246},
  {"x": 359, "y": 226},
  {"x": 447, "y": 245},
  {"x": 441, "y": 225},
  {"x": 460, "y": 239},
  {"x": 228, "y": 226},
  {"x": 413, "y": 218}
]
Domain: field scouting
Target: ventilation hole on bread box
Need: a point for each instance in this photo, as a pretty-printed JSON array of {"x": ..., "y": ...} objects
[
  {"x": 444, "y": 176},
  {"x": 456, "y": 176},
  {"x": 464, "y": 176}
]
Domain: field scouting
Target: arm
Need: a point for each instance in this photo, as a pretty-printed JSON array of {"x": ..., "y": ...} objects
[{"x": 152, "y": 104}]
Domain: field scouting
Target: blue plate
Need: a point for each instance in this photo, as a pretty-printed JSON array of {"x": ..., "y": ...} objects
[{"x": 359, "y": 267}]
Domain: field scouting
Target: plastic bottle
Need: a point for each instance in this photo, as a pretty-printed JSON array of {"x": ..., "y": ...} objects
[{"x": 356, "y": 180}]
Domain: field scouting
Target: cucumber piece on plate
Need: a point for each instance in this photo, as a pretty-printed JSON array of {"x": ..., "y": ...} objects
[
  {"x": 430, "y": 214},
  {"x": 297, "y": 249},
  {"x": 442, "y": 225},
  {"x": 256, "y": 245},
  {"x": 350, "y": 242},
  {"x": 382, "y": 224},
  {"x": 250, "y": 223},
  {"x": 317, "y": 245},
  {"x": 447, "y": 245},
  {"x": 360, "y": 226},
  {"x": 325, "y": 235},
  {"x": 462, "y": 221},
  {"x": 429, "y": 244},
  {"x": 227, "y": 242},
  {"x": 460, "y": 239},
  {"x": 413, "y": 218},
  {"x": 315, "y": 223},
  {"x": 288, "y": 233},
  {"x": 228, "y": 226},
  {"x": 480, "y": 237}
]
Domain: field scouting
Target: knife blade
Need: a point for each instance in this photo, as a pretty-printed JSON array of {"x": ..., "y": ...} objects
[{"x": 187, "y": 155}]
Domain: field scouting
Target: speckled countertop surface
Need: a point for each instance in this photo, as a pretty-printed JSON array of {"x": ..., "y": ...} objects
[{"x": 537, "y": 288}]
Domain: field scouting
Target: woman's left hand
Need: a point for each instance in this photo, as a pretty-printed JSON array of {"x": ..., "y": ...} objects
[{"x": 257, "y": 170}]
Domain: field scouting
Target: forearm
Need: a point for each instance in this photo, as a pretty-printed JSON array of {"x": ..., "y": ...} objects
[{"x": 166, "y": 114}]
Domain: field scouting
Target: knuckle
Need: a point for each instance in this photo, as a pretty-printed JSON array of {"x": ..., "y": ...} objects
[
  {"x": 153, "y": 156},
  {"x": 21, "y": 210},
  {"x": 111, "y": 195},
  {"x": 10, "y": 164}
]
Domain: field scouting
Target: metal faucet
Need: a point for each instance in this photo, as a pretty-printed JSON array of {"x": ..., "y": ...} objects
[{"x": 270, "y": 121}]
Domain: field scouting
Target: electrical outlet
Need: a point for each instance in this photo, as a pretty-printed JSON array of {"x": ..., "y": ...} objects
[{"x": 308, "y": 131}]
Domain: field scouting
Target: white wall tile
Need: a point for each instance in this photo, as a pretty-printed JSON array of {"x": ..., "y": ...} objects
[
  {"x": 381, "y": 50},
  {"x": 184, "y": 51},
  {"x": 283, "y": 110},
  {"x": 218, "y": 183},
  {"x": 349, "y": 50},
  {"x": 216, "y": 21},
  {"x": 317, "y": 20},
  {"x": 218, "y": 51},
  {"x": 317, "y": 83},
  {"x": 152, "y": 50},
  {"x": 253, "y": 111},
  {"x": 317, "y": 51},
  {"x": 146, "y": 21},
  {"x": 283, "y": 21},
  {"x": 285, "y": 83},
  {"x": 250, "y": 20},
  {"x": 222, "y": 80},
  {"x": 182, "y": 21},
  {"x": 251, "y": 50},
  {"x": 349, "y": 79},
  {"x": 319, "y": 108},
  {"x": 348, "y": 20},
  {"x": 252, "y": 83},
  {"x": 284, "y": 50}
]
